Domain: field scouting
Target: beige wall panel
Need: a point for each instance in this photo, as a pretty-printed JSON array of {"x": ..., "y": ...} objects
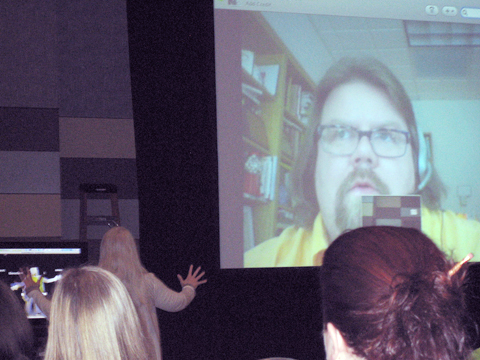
[
  {"x": 97, "y": 138},
  {"x": 28, "y": 215}
]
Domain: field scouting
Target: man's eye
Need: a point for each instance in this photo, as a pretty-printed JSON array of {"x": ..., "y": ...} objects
[
  {"x": 387, "y": 136},
  {"x": 343, "y": 134}
]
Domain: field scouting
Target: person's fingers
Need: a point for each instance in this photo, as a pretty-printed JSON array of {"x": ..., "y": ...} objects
[{"x": 196, "y": 270}]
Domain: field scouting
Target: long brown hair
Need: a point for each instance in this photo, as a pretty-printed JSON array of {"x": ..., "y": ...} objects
[{"x": 388, "y": 291}]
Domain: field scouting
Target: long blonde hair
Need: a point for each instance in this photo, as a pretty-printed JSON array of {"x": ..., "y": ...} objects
[
  {"x": 93, "y": 318},
  {"x": 119, "y": 255}
]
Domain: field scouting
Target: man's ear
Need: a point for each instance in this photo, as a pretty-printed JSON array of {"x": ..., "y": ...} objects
[{"x": 335, "y": 346}]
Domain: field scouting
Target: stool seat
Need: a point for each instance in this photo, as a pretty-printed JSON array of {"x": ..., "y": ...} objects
[{"x": 98, "y": 188}]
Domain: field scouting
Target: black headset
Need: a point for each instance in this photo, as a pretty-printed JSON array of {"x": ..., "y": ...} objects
[{"x": 424, "y": 161}]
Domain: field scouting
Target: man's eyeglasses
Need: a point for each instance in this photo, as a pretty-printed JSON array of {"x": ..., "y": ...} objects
[{"x": 343, "y": 140}]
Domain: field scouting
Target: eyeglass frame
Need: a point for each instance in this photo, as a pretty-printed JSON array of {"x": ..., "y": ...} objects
[{"x": 361, "y": 134}]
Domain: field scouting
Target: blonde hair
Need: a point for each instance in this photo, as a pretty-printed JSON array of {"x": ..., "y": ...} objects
[
  {"x": 119, "y": 255},
  {"x": 93, "y": 318}
]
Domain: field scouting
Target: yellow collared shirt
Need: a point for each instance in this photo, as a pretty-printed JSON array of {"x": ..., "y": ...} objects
[{"x": 295, "y": 246}]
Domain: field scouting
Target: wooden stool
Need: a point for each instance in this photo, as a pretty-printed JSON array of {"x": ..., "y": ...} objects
[{"x": 89, "y": 191}]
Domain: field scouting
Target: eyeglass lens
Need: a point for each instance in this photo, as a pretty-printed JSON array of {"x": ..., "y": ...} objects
[{"x": 343, "y": 140}]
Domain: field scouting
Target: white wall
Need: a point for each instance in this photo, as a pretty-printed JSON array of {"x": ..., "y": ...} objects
[{"x": 455, "y": 129}]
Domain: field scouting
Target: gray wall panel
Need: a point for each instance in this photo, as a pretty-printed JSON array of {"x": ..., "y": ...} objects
[
  {"x": 25, "y": 215},
  {"x": 29, "y": 129},
  {"x": 93, "y": 60},
  {"x": 97, "y": 138},
  {"x": 29, "y": 172},
  {"x": 28, "y": 48}
]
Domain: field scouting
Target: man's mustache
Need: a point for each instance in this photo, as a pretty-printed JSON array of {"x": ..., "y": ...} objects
[{"x": 362, "y": 175}]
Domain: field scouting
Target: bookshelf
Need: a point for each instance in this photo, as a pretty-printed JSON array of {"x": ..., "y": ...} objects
[{"x": 276, "y": 99}]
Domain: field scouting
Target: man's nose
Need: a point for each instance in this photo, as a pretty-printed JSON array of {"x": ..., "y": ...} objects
[{"x": 364, "y": 155}]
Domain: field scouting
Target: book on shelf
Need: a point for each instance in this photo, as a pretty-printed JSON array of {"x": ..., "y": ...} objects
[
  {"x": 291, "y": 138},
  {"x": 248, "y": 231},
  {"x": 292, "y": 99},
  {"x": 298, "y": 101},
  {"x": 252, "y": 175},
  {"x": 260, "y": 175},
  {"x": 252, "y": 93},
  {"x": 269, "y": 174},
  {"x": 284, "y": 188},
  {"x": 256, "y": 130},
  {"x": 305, "y": 107}
]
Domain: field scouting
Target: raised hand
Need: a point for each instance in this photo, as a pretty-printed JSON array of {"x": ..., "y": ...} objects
[
  {"x": 27, "y": 279},
  {"x": 193, "y": 278}
]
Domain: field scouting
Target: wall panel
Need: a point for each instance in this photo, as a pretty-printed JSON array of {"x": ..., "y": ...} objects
[
  {"x": 29, "y": 54},
  {"x": 30, "y": 215},
  {"x": 28, "y": 129},
  {"x": 97, "y": 138},
  {"x": 29, "y": 172}
]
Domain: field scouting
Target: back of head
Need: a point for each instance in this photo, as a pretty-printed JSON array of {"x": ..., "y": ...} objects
[
  {"x": 119, "y": 255},
  {"x": 387, "y": 290},
  {"x": 93, "y": 317},
  {"x": 118, "y": 250},
  {"x": 16, "y": 335}
]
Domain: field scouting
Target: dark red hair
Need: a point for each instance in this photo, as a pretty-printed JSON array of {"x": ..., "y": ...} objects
[{"x": 387, "y": 290}]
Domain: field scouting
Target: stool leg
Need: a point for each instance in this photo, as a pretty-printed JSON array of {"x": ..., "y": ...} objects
[
  {"x": 115, "y": 207},
  {"x": 83, "y": 216}
]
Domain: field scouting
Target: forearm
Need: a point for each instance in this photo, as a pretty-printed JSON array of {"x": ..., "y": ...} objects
[
  {"x": 41, "y": 301},
  {"x": 170, "y": 300}
]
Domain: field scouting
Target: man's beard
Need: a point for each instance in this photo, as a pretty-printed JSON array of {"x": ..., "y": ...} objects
[{"x": 348, "y": 209}]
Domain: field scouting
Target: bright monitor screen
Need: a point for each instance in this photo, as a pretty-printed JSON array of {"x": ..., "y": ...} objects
[
  {"x": 46, "y": 262},
  {"x": 320, "y": 103}
]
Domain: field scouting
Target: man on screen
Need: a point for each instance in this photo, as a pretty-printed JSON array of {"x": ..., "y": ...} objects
[{"x": 362, "y": 140}]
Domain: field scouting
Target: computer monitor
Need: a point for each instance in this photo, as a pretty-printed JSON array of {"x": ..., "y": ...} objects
[
  {"x": 270, "y": 58},
  {"x": 46, "y": 261}
]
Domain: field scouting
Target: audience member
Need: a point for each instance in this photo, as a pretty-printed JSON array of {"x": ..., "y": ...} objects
[
  {"x": 93, "y": 318},
  {"x": 390, "y": 293},
  {"x": 16, "y": 335},
  {"x": 119, "y": 254},
  {"x": 33, "y": 290}
]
